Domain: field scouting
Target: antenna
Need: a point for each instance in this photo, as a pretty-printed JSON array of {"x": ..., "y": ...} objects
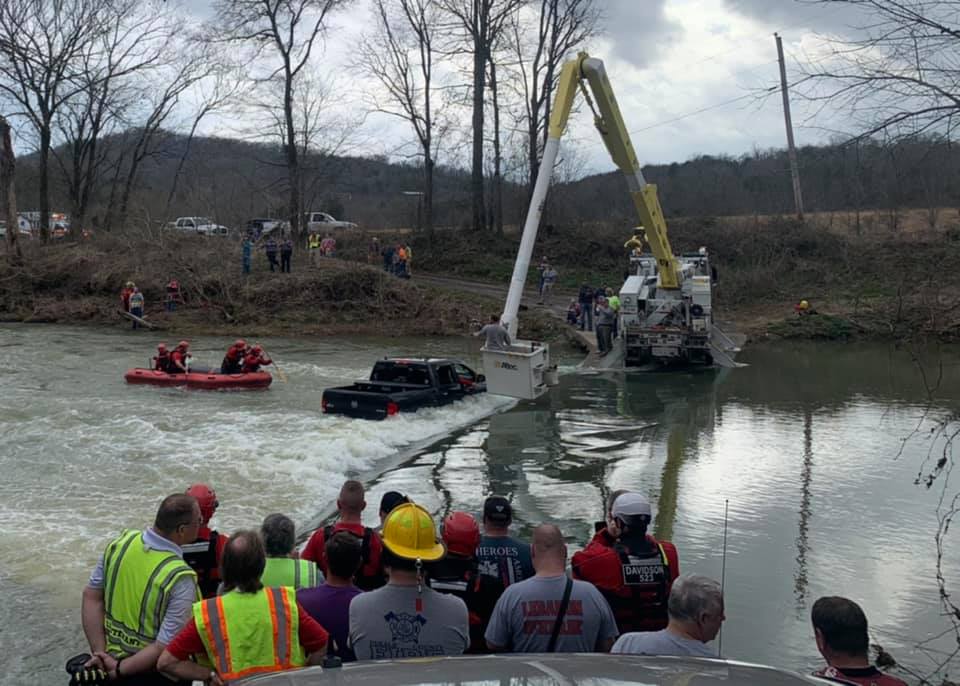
[{"x": 723, "y": 569}]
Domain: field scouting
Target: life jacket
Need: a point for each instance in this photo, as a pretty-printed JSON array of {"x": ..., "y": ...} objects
[
  {"x": 364, "y": 580},
  {"x": 251, "y": 633},
  {"x": 252, "y": 362},
  {"x": 161, "y": 362},
  {"x": 646, "y": 580},
  {"x": 136, "y": 591},
  {"x": 201, "y": 555},
  {"x": 177, "y": 356},
  {"x": 286, "y": 571}
]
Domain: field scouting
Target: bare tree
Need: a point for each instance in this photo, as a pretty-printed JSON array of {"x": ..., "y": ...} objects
[
  {"x": 289, "y": 30},
  {"x": 540, "y": 44},
  {"x": 41, "y": 45},
  {"x": 400, "y": 55},
  {"x": 133, "y": 41},
  {"x": 161, "y": 96},
  {"x": 899, "y": 74},
  {"x": 482, "y": 23},
  {"x": 8, "y": 198}
]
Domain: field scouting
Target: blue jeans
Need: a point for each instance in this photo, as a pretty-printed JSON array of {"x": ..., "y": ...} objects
[
  {"x": 586, "y": 321},
  {"x": 136, "y": 312}
]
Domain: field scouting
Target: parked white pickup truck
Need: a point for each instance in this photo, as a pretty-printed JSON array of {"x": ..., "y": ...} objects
[
  {"x": 202, "y": 225},
  {"x": 318, "y": 222}
]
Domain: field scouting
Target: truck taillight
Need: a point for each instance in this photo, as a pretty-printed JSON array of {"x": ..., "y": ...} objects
[
  {"x": 323, "y": 404},
  {"x": 392, "y": 408}
]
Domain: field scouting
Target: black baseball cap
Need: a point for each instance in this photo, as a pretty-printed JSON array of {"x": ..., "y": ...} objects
[
  {"x": 391, "y": 499},
  {"x": 497, "y": 509}
]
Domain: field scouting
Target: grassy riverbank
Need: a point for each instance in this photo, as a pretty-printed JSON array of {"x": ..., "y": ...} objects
[
  {"x": 80, "y": 284},
  {"x": 877, "y": 284}
]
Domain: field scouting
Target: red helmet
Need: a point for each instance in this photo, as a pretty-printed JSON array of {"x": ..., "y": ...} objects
[
  {"x": 162, "y": 348},
  {"x": 240, "y": 343},
  {"x": 207, "y": 498},
  {"x": 183, "y": 344},
  {"x": 461, "y": 533},
  {"x": 258, "y": 348}
]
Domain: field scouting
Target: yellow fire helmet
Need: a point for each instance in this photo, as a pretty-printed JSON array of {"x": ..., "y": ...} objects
[{"x": 409, "y": 532}]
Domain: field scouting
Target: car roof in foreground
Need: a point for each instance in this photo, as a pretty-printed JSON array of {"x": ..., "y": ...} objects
[
  {"x": 420, "y": 360},
  {"x": 538, "y": 670}
]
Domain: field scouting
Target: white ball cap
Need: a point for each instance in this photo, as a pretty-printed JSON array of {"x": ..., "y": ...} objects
[{"x": 630, "y": 505}]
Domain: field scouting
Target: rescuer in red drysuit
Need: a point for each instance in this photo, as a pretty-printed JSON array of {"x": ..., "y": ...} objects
[
  {"x": 178, "y": 358},
  {"x": 203, "y": 555},
  {"x": 254, "y": 359},
  {"x": 233, "y": 360},
  {"x": 161, "y": 362},
  {"x": 631, "y": 568}
]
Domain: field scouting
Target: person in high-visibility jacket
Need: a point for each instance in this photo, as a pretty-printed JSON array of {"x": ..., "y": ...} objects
[
  {"x": 249, "y": 629},
  {"x": 140, "y": 594},
  {"x": 282, "y": 568}
]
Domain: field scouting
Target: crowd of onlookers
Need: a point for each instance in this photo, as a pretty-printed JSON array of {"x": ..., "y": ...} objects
[
  {"x": 181, "y": 601},
  {"x": 397, "y": 259}
]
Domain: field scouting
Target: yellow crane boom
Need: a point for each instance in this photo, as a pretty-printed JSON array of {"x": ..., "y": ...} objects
[{"x": 609, "y": 123}]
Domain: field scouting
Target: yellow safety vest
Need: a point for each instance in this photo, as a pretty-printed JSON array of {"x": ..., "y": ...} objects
[
  {"x": 251, "y": 633},
  {"x": 313, "y": 241},
  {"x": 136, "y": 591},
  {"x": 285, "y": 571}
]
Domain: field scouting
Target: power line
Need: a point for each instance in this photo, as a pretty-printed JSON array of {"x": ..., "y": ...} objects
[{"x": 702, "y": 110}]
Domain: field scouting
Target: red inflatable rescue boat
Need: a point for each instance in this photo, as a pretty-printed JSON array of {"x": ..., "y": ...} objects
[{"x": 196, "y": 379}]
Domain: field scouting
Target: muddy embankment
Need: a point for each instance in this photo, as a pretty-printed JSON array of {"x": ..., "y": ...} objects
[
  {"x": 879, "y": 282},
  {"x": 79, "y": 283}
]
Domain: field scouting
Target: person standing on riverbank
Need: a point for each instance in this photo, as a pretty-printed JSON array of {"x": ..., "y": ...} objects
[
  {"x": 585, "y": 298},
  {"x": 140, "y": 594},
  {"x": 204, "y": 554},
  {"x": 696, "y": 614},
  {"x": 247, "y": 254},
  {"x": 350, "y": 505},
  {"x": 551, "y": 612},
  {"x": 270, "y": 249},
  {"x": 136, "y": 306},
  {"x": 549, "y": 280},
  {"x": 605, "y": 319},
  {"x": 125, "y": 294},
  {"x": 840, "y": 629},
  {"x": 286, "y": 254},
  {"x": 173, "y": 295},
  {"x": 632, "y": 569}
]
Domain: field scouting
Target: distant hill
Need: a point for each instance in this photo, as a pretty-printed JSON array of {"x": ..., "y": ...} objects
[{"x": 232, "y": 180}]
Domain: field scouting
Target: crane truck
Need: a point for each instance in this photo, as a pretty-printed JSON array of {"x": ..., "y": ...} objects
[{"x": 666, "y": 314}]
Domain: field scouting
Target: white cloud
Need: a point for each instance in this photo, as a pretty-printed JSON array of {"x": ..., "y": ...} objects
[{"x": 666, "y": 60}]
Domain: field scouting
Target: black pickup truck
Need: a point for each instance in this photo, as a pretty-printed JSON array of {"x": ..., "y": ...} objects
[{"x": 404, "y": 385}]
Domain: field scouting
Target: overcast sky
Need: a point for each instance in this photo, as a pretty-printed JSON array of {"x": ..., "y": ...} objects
[{"x": 667, "y": 60}]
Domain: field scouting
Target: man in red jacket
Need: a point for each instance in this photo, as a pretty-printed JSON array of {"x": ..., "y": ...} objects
[
  {"x": 630, "y": 567},
  {"x": 205, "y": 553},
  {"x": 350, "y": 505},
  {"x": 254, "y": 360}
]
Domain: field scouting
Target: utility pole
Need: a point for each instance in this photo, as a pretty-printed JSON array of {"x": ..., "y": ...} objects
[{"x": 791, "y": 149}]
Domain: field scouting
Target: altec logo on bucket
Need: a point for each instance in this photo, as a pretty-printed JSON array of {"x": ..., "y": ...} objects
[{"x": 506, "y": 365}]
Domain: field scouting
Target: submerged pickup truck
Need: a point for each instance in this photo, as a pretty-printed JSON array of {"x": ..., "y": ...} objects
[{"x": 404, "y": 385}]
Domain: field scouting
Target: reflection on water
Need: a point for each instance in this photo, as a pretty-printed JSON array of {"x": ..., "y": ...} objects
[
  {"x": 753, "y": 436},
  {"x": 806, "y": 472}
]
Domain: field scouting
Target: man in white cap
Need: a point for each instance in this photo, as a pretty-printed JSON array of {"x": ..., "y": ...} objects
[{"x": 632, "y": 569}]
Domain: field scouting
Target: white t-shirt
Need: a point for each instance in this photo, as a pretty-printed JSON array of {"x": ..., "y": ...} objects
[{"x": 663, "y": 642}]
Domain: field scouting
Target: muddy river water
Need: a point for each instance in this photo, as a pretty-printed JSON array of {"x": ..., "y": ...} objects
[{"x": 803, "y": 445}]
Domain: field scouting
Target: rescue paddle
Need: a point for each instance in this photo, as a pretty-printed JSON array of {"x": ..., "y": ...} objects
[{"x": 280, "y": 374}]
